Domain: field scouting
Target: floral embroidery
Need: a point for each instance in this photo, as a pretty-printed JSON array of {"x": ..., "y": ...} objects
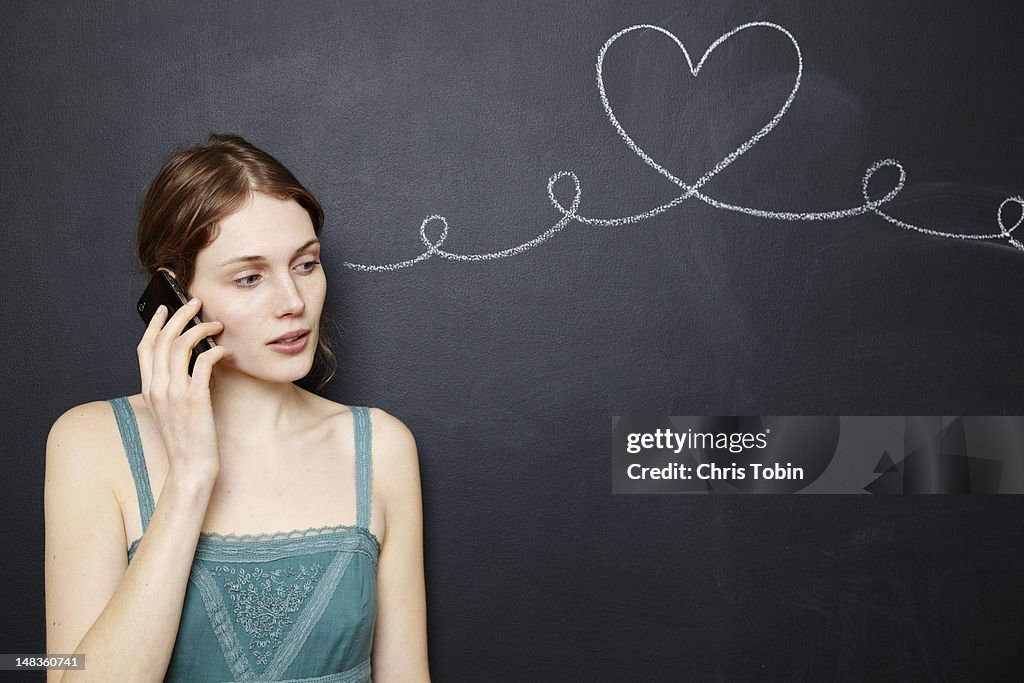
[{"x": 265, "y": 600}]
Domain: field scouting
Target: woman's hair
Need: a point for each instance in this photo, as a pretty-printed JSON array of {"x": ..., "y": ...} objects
[{"x": 203, "y": 184}]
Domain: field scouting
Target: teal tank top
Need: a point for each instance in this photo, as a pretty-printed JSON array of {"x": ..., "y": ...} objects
[{"x": 274, "y": 607}]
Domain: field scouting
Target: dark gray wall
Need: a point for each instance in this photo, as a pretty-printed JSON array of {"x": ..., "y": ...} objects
[{"x": 508, "y": 370}]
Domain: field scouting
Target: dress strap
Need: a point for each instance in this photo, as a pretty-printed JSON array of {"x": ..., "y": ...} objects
[
  {"x": 364, "y": 464},
  {"x": 129, "y": 428}
]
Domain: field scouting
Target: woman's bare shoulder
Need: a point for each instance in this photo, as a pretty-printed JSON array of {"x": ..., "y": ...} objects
[
  {"x": 396, "y": 469},
  {"x": 388, "y": 426},
  {"x": 84, "y": 437},
  {"x": 394, "y": 447},
  {"x": 85, "y": 420},
  {"x": 392, "y": 441}
]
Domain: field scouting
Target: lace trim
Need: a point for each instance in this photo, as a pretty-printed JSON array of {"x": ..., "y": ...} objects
[
  {"x": 347, "y": 541},
  {"x": 217, "y": 612},
  {"x": 311, "y": 615},
  {"x": 265, "y": 602},
  {"x": 306, "y": 619},
  {"x": 250, "y": 547},
  {"x": 276, "y": 535}
]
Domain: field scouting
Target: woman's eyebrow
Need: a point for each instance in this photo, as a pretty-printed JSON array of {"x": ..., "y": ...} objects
[{"x": 263, "y": 259}]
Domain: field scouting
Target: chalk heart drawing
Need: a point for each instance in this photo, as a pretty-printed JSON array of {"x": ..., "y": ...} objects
[
  {"x": 695, "y": 72},
  {"x": 571, "y": 214}
]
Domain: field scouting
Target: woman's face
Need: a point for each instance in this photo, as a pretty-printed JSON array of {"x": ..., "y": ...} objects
[{"x": 260, "y": 299}]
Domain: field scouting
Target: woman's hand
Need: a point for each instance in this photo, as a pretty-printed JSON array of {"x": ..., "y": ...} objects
[{"x": 181, "y": 404}]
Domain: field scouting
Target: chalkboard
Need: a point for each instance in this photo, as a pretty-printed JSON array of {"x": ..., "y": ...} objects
[{"x": 506, "y": 323}]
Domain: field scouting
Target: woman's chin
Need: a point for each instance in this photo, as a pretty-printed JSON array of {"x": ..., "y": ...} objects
[{"x": 282, "y": 375}]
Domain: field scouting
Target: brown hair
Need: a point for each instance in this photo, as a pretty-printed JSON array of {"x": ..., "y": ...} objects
[{"x": 201, "y": 185}]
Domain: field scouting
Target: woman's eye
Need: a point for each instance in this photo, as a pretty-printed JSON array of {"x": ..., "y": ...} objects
[{"x": 246, "y": 282}]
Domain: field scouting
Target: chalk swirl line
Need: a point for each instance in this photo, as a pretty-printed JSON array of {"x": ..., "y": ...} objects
[{"x": 571, "y": 213}]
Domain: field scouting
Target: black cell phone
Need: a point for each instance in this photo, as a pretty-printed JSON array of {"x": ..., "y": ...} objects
[{"x": 164, "y": 289}]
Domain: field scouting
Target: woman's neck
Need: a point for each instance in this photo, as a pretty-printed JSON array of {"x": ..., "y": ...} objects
[{"x": 252, "y": 413}]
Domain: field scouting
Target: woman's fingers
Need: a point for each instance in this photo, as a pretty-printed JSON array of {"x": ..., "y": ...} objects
[
  {"x": 146, "y": 345},
  {"x": 144, "y": 348},
  {"x": 204, "y": 368},
  {"x": 166, "y": 350},
  {"x": 182, "y": 349},
  {"x": 180, "y": 405},
  {"x": 198, "y": 332},
  {"x": 165, "y": 377}
]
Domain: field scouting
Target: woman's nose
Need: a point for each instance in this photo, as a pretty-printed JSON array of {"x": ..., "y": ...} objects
[{"x": 289, "y": 299}]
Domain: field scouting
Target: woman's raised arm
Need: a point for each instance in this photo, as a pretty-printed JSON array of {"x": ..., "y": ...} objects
[{"x": 124, "y": 617}]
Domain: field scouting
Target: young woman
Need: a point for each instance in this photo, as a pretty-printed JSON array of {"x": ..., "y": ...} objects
[{"x": 163, "y": 559}]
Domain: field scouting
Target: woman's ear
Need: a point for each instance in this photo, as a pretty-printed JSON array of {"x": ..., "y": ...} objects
[
  {"x": 175, "y": 277},
  {"x": 171, "y": 272}
]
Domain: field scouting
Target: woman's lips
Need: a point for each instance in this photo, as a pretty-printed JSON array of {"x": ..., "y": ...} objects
[{"x": 291, "y": 347}]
